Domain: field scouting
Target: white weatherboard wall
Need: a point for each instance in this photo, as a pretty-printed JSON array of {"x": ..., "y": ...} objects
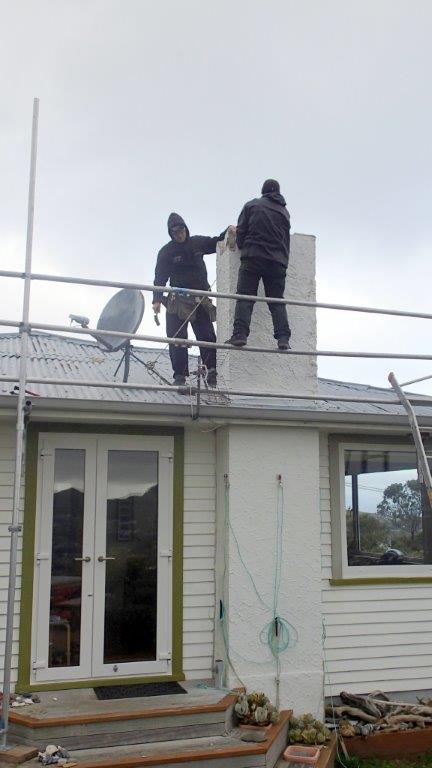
[
  {"x": 377, "y": 636},
  {"x": 199, "y": 545},
  {"x": 270, "y": 372},
  {"x": 199, "y": 553},
  {"x": 7, "y": 465},
  {"x": 253, "y": 456}
]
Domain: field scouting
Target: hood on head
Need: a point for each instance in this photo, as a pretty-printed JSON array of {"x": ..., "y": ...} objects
[
  {"x": 175, "y": 220},
  {"x": 276, "y": 197}
]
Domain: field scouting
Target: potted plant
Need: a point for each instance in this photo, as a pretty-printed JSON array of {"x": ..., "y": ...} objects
[
  {"x": 307, "y": 730},
  {"x": 255, "y": 711},
  {"x": 306, "y": 737}
]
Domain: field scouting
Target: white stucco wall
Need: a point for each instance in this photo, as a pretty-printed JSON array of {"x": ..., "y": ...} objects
[
  {"x": 272, "y": 373},
  {"x": 377, "y": 636},
  {"x": 253, "y": 456}
]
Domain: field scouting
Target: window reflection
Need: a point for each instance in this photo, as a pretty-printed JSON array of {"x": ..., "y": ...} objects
[
  {"x": 388, "y": 517},
  {"x": 66, "y": 571},
  {"x": 131, "y": 576}
]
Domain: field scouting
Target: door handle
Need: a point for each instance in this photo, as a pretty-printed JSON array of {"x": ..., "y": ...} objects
[
  {"x": 85, "y": 559},
  {"x": 102, "y": 559}
]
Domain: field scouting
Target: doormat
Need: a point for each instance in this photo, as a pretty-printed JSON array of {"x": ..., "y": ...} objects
[{"x": 142, "y": 689}]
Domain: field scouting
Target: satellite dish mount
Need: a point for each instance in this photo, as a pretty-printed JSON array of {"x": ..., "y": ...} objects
[{"x": 128, "y": 353}]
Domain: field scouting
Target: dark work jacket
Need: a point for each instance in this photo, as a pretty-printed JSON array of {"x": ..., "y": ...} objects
[
  {"x": 263, "y": 229},
  {"x": 183, "y": 263}
]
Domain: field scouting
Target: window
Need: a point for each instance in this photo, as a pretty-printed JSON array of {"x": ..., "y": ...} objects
[{"x": 383, "y": 515}]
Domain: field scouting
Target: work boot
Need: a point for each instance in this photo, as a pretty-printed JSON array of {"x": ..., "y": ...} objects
[
  {"x": 237, "y": 340},
  {"x": 283, "y": 343},
  {"x": 179, "y": 381},
  {"x": 211, "y": 378}
]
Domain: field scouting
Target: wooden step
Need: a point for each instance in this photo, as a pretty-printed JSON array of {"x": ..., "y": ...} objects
[
  {"x": 219, "y": 752},
  {"x": 124, "y": 722}
]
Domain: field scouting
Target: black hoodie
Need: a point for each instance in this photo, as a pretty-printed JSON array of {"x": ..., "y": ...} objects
[
  {"x": 183, "y": 263},
  {"x": 263, "y": 229}
]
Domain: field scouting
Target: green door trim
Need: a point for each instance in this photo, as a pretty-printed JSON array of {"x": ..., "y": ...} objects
[{"x": 28, "y": 564}]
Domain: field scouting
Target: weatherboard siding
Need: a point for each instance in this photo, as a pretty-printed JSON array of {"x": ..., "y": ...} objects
[
  {"x": 7, "y": 466},
  {"x": 199, "y": 553},
  {"x": 377, "y": 636}
]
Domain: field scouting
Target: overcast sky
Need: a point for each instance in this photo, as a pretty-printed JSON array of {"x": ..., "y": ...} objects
[{"x": 188, "y": 105}]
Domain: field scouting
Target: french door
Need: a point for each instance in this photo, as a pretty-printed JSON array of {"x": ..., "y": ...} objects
[{"x": 103, "y": 583}]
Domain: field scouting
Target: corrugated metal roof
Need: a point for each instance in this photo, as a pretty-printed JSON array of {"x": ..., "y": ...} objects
[
  {"x": 62, "y": 357},
  {"x": 344, "y": 389},
  {"x": 55, "y": 356}
]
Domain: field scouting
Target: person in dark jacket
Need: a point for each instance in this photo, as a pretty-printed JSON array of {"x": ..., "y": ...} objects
[
  {"x": 263, "y": 236},
  {"x": 181, "y": 262}
]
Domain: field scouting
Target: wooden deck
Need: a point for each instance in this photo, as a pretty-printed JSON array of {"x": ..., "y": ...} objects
[
  {"x": 78, "y": 720},
  {"x": 193, "y": 728}
]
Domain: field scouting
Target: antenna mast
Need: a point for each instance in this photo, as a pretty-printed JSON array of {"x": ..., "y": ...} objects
[{"x": 22, "y": 407}]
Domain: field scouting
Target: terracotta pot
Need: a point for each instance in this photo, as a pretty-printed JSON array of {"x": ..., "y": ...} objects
[{"x": 300, "y": 753}]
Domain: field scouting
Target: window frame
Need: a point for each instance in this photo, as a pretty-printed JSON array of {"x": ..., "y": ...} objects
[{"x": 340, "y": 568}]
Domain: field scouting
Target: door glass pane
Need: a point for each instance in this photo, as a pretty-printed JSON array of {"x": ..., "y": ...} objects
[
  {"x": 131, "y": 540},
  {"x": 66, "y": 571}
]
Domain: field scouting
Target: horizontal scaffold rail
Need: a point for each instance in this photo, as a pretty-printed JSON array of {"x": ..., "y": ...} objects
[
  {"x": 95, "y": 332},
  {"x": 213, "y": 294},
  {"x": 423, "y": 400},
  {"x": 416, "y": 381}
]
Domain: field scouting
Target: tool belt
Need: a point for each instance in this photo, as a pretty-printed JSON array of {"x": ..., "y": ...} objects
[{"x": 185, "y": 306}]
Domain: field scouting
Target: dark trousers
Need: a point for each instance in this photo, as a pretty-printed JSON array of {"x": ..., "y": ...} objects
[
  {"x": 273, "y": 276},
  {"x": 203, "y": 330}
]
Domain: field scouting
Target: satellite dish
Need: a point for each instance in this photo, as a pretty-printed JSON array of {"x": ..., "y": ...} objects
[{"x": 123, "y": 312}]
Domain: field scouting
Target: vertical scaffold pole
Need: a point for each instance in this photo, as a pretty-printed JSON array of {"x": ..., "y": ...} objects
[
  {"x": 15, "y": 527},
  {"x": 418, "y": 442}
]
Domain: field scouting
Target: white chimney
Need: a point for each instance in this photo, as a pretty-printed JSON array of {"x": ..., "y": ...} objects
[{"x": 257, "y": 370}]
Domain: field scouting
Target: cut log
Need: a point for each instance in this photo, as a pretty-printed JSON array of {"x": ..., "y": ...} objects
[
  {"x": 378, "y": 695},
  {"x": 361, "y": 702},
  {"x": 421, "y": 722},
  {"x": 425, "y": 702},
  {"x": 354, "y": 713},
  {"x": 408, "y": 706}
]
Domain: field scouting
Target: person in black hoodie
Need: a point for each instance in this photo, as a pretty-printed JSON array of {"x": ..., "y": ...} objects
[
  {"x": 263, "y": 236},
  {"x": 181, "y": 262}
]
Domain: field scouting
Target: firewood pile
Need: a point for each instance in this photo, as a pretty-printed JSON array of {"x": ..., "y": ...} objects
[{"x": 376, "y": 713}]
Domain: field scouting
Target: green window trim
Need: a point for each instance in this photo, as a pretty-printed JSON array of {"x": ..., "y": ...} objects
[
  {"x": 341, "y": 574},
  {"x": 396, "y": 580},
  {"x": 26, "y": 604}
]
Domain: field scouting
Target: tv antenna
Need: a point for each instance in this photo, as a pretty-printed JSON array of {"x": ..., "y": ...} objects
[{"x": 123, "y": 312}]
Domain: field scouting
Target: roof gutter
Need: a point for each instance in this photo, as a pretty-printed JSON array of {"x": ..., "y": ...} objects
[{"x": 76, "y": 410}]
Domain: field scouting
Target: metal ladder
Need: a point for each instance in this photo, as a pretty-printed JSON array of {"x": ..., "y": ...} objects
[{"x": 422, "y": 456}]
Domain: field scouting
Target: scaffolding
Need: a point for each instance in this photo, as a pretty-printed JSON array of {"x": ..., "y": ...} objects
[{"x": 25, "y": 327}]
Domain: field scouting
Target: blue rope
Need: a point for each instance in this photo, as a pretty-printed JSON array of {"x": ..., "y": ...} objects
[
  {"x": 278, "y": 634},
  {"x": 251, "y": 579}
]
